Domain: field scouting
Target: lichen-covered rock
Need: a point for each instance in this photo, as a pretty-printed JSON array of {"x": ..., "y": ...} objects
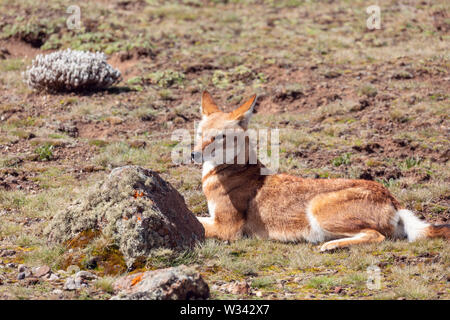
[
  {"x": 135, "y": 208},
  {"x": 177, "y": 283},
  {"x": 70, "y": 70}
]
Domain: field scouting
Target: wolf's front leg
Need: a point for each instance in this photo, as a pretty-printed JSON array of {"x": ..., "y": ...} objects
[
  {"x": 210, "y": 228},
  {"x": 223, "y": 231}
]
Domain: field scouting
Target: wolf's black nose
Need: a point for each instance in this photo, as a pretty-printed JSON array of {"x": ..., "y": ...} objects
[{"x": 196, "y": 156}]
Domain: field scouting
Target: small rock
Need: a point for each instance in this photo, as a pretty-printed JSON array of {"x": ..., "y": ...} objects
[
  {"x": 62, "y": 272},
  {"x": 78, "y": 282},
  {"x": 21, "y": 268},
  {"x": 337, "y": 289},
  {"x": 215, "y": 287},
  {"x": 21, "y": 276},
  {"x": 41, "y": 271},
  {"x": 11, "y": 265},
  {"x": 239, "y": 288},
  {"x": 85, "y": 275},
  {"x": 72, "y": 269},
  {"x": 70, "y": 284},
  {"x": 57, "y": 291},
  {"x": 259, "y": 294},
  {"x": 177, "y": 283},
  {"x": 53, "y": 277}
]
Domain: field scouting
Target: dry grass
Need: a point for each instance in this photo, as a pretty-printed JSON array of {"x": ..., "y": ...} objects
[{"x": 268, "y": 47}]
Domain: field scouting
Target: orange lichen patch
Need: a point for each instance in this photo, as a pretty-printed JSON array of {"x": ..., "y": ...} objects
[
  {"x": 138, "y": 194},
  {"x": 83, "y": 238},
  {"x": 136, "y": 280}
]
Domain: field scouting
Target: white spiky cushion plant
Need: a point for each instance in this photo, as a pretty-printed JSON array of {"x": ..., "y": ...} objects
[{"x": 71, "y": 70}]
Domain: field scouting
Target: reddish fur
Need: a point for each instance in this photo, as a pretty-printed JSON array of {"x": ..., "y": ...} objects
[
  {"x": 275, "y": 207},
  {"x": 439, "y": 231}
]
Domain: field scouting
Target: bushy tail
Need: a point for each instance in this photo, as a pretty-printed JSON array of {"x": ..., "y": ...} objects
[
  {"x": 414, "y": 228},
  {"x": 439, "y": 231}
]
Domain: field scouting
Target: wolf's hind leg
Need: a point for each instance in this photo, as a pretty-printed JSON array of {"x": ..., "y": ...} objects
[{"x": 364, "y": 236}]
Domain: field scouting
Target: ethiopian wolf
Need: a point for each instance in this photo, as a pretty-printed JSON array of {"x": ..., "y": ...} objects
[{"x": 335, "y": 212}]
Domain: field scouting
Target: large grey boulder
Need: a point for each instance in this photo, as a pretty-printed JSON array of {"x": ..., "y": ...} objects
[
  {"x": 177, "y": 283},
  {"x": 135, "y": 208}
]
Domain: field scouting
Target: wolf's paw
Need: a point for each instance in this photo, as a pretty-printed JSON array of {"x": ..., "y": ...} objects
[
  {"x": 328, "y": 246},
  {"x": 333, "y": 246}
]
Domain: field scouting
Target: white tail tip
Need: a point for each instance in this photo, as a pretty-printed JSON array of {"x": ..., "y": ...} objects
[{"x": 413, "y": 227}]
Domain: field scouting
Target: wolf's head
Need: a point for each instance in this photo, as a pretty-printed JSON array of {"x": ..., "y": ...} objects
[{"x": 217, "y": 129}]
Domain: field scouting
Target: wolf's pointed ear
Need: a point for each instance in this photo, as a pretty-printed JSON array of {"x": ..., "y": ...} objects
[
  {"x": 208, "y": 104},
  {"x": 245, "y": 111}
]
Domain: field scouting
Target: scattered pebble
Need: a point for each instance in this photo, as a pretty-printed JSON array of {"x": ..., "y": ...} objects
[
  {"x": 238, "y": 287},
  {"x": 337, "y": 289},
  {"x": 70, "y": 285},
  {"x": 215, "y": 287},
  {"x": 41, "y": 271},
  {"x": 85, "y": 275},
  {"x": 53, "y": 277},
  {"x": 79, "y": 280},
  {"x": 21, "y": 268},
  {"x": 21, "y": 276},
  {"x": 72, "y": 269},
  {"x": 62, "y": 272}
]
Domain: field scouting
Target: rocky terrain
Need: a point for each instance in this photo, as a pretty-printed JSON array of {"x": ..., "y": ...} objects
[{"x": 349, "y": 102}]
